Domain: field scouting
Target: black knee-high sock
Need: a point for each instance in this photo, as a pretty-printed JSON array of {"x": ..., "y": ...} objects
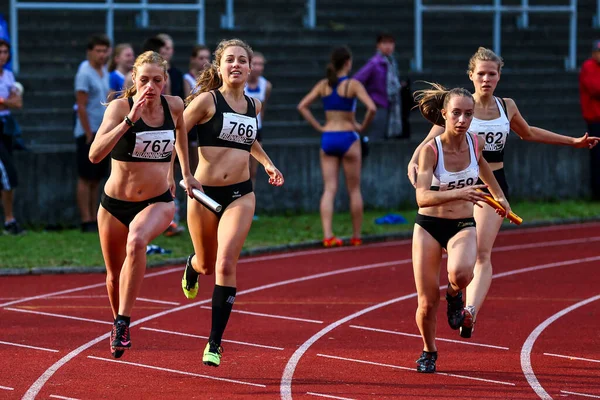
[{"x": 222, "y": 303}]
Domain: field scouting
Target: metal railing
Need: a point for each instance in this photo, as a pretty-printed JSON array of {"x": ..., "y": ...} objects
[
  {"x": 497, "y": 9},
  {"x": 109, "y": 6},
  {"x": 309, "y": 21}
]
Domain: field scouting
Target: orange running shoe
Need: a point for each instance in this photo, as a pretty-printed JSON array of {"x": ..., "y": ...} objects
[
  {"x": 356, "y": 242},
  {"x": 174, "y": 230},
  {"x": 332, "y": 242}
]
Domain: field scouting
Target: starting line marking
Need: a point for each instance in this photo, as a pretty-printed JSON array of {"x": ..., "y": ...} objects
[
  {"x": 28, "y": 347},
  {"x": 170, "y": 303},
  {"x": 270, "y": 315},
  {"x": 178, "y": 372},
  {"x": 581, "y": 394},
  {"x": 206, "y": 337},
  {"x": 55, "y": 396},
  {"x": 414, "y": 369},
  {"x": 437, "y": 338},
  {"x": 328, "y": 396},
  {"x": 571, "y": 357},
  {"x": 59, "y": 316}
]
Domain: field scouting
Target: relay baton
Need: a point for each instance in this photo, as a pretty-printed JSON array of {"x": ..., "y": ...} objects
[
  {"x": 203, "y": 198},
  {"x": 514, "y": 218}
]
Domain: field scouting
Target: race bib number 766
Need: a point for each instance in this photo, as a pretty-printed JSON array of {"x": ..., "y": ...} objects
[{"x": 238, "y": 128}]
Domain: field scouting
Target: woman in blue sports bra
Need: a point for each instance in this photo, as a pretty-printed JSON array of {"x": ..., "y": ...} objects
[{"x": 340, "y": 142}]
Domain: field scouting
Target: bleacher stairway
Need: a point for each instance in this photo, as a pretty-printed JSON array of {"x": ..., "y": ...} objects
[{"x": 52, "y": 44}]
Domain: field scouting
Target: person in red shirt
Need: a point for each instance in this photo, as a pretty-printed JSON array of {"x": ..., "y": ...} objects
[{"x": 589, "y": 95}]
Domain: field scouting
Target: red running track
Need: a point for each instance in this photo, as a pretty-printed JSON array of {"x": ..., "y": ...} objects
[{"x": 319, "y": 324}]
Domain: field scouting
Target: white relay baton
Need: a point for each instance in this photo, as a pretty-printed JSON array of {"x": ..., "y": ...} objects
[{"x": 203, "y": 198}]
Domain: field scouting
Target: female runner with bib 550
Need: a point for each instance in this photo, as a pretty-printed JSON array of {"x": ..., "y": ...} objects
[
  {"x": 226, "y": 124},
  {"x": 139, "y": 131},
  {"x": 447, "y": 188},
  {"x": 493, "y": 119}
]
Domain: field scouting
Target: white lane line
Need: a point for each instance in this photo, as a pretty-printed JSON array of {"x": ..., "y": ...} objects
[
  {"x": 6, "y": 388},
  {"x": 565, "y": 242},
  {"x": 206, "y": 337},
  {"x": 35, "y": 388},
  {"x": 55, "y": 396},
  {"x": 288, "y": 373},
  {"x": 59, "y": 316},
  {"x": 178, "y": 372},
  {"x": 78, "y": 289},
  {"x": 313, "y": 321},
  {"x": 170, "y": 303},
  {"x": 572, "y": 357},
  {"x": 437, "y": 338},
  {"x": 581, "y": 394},
  {"x": 328, "y": 396},
  {"x": 28, "y": 347},
  {"x": 528, "y": 346},
  {"x": 414, "y": 369},
  {"x": 550, "y": 228}
]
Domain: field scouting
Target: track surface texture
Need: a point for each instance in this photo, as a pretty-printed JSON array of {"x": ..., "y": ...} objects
[{"x": 317, "y": 324}]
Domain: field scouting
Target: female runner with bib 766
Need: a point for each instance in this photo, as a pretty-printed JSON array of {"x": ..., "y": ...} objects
[{"x": 226, "y": 122}]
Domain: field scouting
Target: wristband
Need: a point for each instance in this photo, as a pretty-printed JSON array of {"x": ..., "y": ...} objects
[{"x": 129, "y": 122}]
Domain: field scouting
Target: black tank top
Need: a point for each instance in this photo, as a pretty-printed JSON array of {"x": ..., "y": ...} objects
[
  {"x": 143, "y": 143},
  {"x": 228, "y": 128}
]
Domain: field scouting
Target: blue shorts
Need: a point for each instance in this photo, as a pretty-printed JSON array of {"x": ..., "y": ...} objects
[{"x": 337, "y": 143}]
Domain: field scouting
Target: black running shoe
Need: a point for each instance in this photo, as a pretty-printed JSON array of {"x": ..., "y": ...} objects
[
  {"x": 455, "y": 310},
  {"x": 426, "y": 363},
  {"x": 115, "y": 353},
  {"x": 13, "y": 228},
  {"x": 122, "y": 340},
  {"x": 466, "y": 329}
]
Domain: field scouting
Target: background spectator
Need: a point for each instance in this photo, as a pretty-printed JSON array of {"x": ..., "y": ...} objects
[
  {"x": 589, "y": 94},
  {"x": 175, "y": 75},
  {"x": 259, "y": 88},
  {"x": 120, "y": 65},
  {"x": 381, "y": 78},
  {"x": 91, "y": 91},
  {"x": 199, "y": 59},
  {"x": 10, "y": 98}
]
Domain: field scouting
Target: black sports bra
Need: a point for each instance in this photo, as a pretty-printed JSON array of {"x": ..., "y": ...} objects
[
  {"x": 143, "y": 143},
  {"x": 228, "y": 128}
]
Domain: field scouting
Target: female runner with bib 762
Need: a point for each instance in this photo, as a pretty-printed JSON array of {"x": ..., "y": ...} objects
[{"x": 494, "y": 118}]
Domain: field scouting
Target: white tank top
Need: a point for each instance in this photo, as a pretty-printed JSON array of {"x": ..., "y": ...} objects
[
  {"x": 446, "y": 180},
  {"x": 259, "y": 92},
  {"x": 191, "y": 80},
  {"x": 494, "y": 132}
]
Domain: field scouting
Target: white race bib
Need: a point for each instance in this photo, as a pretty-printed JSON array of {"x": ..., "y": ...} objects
[
  {"x": 238, "y": 128},
  {"x": 154, "y": 145}
]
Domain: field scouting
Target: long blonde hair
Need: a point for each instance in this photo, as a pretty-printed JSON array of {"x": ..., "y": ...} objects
[
  {"x": 432, "y": 101},
  {"x": 209, "y": 78},
  {"x": 148, "y": 57},
  {"x": 484, "y": 54}
]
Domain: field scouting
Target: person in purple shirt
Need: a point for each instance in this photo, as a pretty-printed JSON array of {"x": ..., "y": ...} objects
[{"x": 381, "y": 78}]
